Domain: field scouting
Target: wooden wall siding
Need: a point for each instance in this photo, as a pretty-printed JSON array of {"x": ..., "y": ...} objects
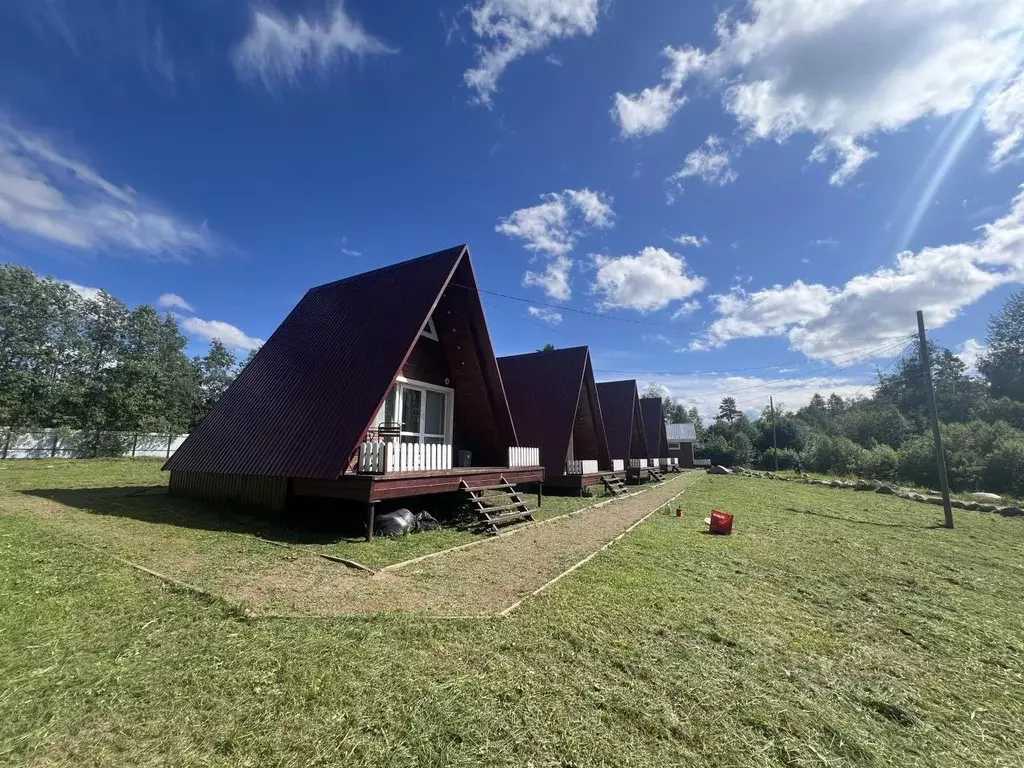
[
  {"x": 475, "y": 424},
  {"x": 638, "y": 442},
  {"x": 427, "y": 363},
  {"x": 247, "y": 490},
  {"x": 586, "y": 442},
  {"x": 684, "y": 454}
]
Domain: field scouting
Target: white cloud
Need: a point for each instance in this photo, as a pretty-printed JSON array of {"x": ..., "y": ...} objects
[
  {"x": 847, "y": 70},
  {"x": 87, "y": 293},
  {"x": 552, "y": 229},
  {"x": 511, "y": 29},
  {"x": 686, "y": 309},
  {"x": 649, "y": 111},
  {"x": 350, "y": 252},
  {"x": 824, "y": 242},
  {"x": 970, "y": 351},
  {"x": 709, "y": 162},
  {"x": 49, "y": 195},
  {"x": 650, "y": 280},
  {"x": 692, "y": 240},
  {"x": 174, "y": 301},
  {"x": 554, "y": 280},
  {"x": 547, "y": 315},
  {"x": 278, "y": 49},
  {"x": 1004, "y": 116},
  {"x": 228, "y": 334},
  {"x": 870, "y": 310}
]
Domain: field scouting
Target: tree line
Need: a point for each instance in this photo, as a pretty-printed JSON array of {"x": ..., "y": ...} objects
[
  {"x": 72, "y": 362},
  {"x": 886, "y": 435}
]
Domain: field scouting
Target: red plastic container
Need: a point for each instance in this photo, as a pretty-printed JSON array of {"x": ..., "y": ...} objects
[{"x": 721, "y": 523}]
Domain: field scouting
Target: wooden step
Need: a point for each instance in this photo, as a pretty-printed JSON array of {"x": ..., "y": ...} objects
[
  {"x": 492, "y": 525},
  {"x": 506, "y": 487},
  {"x": 491, "y": 510}
]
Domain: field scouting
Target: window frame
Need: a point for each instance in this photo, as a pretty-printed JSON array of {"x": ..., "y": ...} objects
[
  {"x": 401, "y": 384},
  {"x": 675, "y": 445}
]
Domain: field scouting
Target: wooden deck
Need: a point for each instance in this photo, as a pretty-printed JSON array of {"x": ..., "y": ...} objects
[
  {"x": 396, "y": 485},
  {"x": 578, "y": 482}
]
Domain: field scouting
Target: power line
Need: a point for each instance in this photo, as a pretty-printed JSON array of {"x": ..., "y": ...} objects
[
  {"x": 562, "y": 308},
  {"x": 887, "y": 367}
]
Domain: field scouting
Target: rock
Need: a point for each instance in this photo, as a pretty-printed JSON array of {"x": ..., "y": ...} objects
[
  {"x": 957, "y": 504},
  {"x": 1010, "y": 511},
  {"x": 771, "y": 476},
  {"x": 985, "y": 497},
  {"x": 885, "y": 489},
  {"x": 863, "y": 486},
  {"x": 739, "y": 470},
  {"x": 836, "y": 483},
  {"x": 915, "y": 497},
  {"x": 971, "y": 505},
  {"x": 717, "y": 470},
  {"x": 936, "y": 500},
  {"x": 987, "y": 507}
]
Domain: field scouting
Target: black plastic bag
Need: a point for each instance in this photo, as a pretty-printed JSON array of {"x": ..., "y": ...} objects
[
  {"x": 397, "y": 523},
  {"x": 426, "y": 522}
]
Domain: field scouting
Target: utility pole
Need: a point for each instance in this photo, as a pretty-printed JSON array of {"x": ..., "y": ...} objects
[
  {"x": 940, "y": 456},
  {"x": 775, "y": 440}
]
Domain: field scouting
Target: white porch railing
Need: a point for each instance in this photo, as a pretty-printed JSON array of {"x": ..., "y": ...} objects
[
  {"x": 663, "y": 462},
  {"x": 702, "y": 462},
  {"x": 524, "y": 457},
  {"x": 638, "y": 463},
  {"x": 377, "y": 457},
  {"x": 618, "y": 465},
  {"x": 584, "y": 467},
  {"x": 673, "y": 462}
]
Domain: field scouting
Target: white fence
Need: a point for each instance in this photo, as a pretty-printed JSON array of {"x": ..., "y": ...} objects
[
  {"x": 376, "y": 457},
  {"x": 585, "y": 467},
  {"x": 702, "y": 462},
  {"x": 524, "y": 457},
  {"x": 618, "y": 465},
  {"x": 85, "y": 444},
  {"x": 638, "y": 463}
]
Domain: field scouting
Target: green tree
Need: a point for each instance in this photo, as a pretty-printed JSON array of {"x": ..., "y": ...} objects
[
  {"x": 549, "y": 347},
  {"x": 217, "y": 371},
  {"x": 1003, "y": 364},
  {"x": 727, "y": 410}
]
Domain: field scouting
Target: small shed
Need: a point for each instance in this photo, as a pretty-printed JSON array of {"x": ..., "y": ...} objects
[
  {"x": 681, "y": 438},
  {"x": 624, "y": 425},
  {"x": 555, "y": 405}
]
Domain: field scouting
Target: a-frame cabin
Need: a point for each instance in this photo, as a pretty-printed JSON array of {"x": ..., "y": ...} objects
[
  {"x": 379, "y": 386},
  {"x": 555, "y": 405},
  {"x": 624, "y": 425}
]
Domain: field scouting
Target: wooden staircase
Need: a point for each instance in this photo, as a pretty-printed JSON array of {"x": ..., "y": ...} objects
[
  {"x": 496, "y": 506},
  {"x": 655, "y": 474},
  {"x": 613, "y": 483}
]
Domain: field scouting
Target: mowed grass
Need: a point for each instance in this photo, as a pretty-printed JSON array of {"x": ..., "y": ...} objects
[
  {"x": 833, "y": 629},
  {"x": 203, "y": 542}
]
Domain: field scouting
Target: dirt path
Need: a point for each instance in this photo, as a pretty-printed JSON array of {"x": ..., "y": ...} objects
[{"x": 481, "y": 580}]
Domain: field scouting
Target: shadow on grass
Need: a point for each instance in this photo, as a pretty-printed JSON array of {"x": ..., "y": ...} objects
[
  {"x": 842, "y": 519},
  {"x": 316, "y": 522}
]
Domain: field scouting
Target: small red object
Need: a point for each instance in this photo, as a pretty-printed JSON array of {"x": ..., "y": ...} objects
[
  {"x": 721, "y": 523},
  {"x": 679, "y": 512}
]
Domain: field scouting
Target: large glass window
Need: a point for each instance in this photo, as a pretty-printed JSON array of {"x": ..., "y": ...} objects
[{"x": 422, "y": 410}]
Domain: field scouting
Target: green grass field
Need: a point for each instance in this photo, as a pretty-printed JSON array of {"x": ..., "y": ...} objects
[{"x": 833, "y": 629}]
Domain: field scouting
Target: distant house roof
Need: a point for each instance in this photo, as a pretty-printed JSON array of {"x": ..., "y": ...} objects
[
  {"x": 620, "y": 405},
  {"x": 654, "y": 425},
  {"x": 680, "y": 433},
  {"x": 545, "y": 390},
  {"x": 303, "y": 404}
]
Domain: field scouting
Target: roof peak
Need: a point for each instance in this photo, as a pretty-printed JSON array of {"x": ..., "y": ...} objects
[{"x": 455, "y": 250}]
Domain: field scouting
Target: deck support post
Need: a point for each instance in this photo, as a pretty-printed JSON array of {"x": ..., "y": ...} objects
[
  {"x": 369, "y": 521},
  {"x": 540, "y": 494}
]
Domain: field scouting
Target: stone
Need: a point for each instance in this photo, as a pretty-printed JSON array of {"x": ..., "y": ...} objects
[
  {"x": 864, "y": 486},
  {"x": 985, "y": 497},
  {"x": 936, "y": 500},
  {"x": 971, "y": 505},
  {"x": 717, "y": 470},
  {"x": 885, "y": 489},
  {"x": 987, "y": 507},
  {"x": 836, "y": 483},
  {"x": 771, "y": 476},
  {"x": 915, "y": 497},
  {"x": 957, "y": 504},
  {"x": 1011, "y": 511}
]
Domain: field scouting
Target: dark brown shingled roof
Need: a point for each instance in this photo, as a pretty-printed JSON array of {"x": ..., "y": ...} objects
[
  {"x": 620, "y": 405},
  {"x": 654, "y": 425},
  {"x": 303, "y": 404},
  {"x": 544, "y": 391}
]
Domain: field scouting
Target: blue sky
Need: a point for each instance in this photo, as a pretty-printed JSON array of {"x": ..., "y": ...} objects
[{"x": 733, "y": 183}]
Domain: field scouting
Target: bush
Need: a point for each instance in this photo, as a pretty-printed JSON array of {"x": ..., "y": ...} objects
[
  {"x": 880, "y": 463},
  {"x": 727, "y": 452},
  {"x": 1003, "y": 469},
  {"x": 834, "y": 455},
  {"x": 788, "y": 459}
]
